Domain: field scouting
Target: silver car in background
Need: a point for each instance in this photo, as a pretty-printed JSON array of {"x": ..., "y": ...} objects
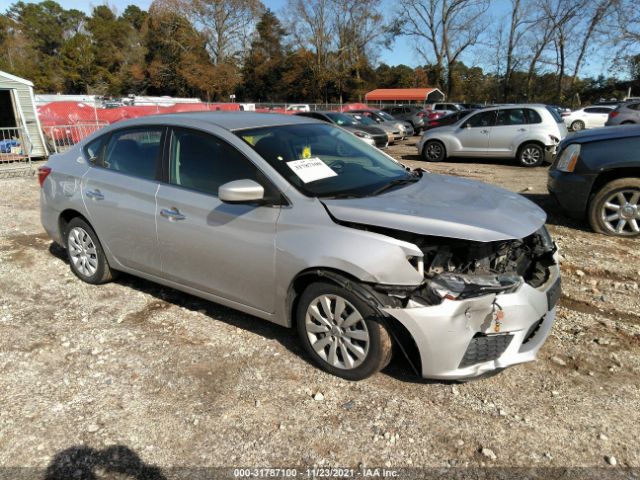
[
  {"x": 530, "y": 133},
  {"x": 383, "y": 118},
  {"x": 300, "y": 223},
  {"x": 625, "y": 114}
]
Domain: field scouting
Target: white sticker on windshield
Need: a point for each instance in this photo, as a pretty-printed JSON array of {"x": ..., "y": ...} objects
[{"x": 311, "y": 169}]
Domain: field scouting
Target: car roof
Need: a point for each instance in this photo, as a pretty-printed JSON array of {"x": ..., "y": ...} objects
[{"x": 228, "y": 120}]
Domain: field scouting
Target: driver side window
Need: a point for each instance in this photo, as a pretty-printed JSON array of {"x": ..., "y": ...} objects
[{"x": 202, "y": 162}]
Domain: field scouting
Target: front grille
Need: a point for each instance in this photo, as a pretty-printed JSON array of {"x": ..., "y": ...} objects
[
  {"x": 484, "y": 348},
  {"x": 533, "y": 331}
]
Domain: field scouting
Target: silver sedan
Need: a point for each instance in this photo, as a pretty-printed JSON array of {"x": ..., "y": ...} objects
[{"x": 300, "y": 223}]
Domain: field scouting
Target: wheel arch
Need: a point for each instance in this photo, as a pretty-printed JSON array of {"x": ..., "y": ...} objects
[
  {"x": 610, "y": 175},
  {"x": 400, "y": 335},
  {"x": 66, "y": 216}
]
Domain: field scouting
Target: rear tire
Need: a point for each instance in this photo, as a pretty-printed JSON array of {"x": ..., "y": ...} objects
[
  {"x": 577, "y": 125},
  {"x": 530, "y": 155},
  {"x": 615, "y": 209},
  {"x": 86, "y": 256},
  {"x": 434, "y": 151},
  {"x": 353, "y": 352}
]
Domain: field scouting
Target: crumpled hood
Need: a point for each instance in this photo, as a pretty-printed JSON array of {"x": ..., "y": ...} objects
[{"x": 445, "y": 206}]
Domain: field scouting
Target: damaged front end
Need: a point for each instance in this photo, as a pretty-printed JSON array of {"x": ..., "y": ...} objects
[
  {"x": 460, "y": 269},
  {"x": 482, "y": 306}
]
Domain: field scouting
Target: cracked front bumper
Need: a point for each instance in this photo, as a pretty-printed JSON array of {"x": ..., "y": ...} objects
[{"x": 457, "y": 340}]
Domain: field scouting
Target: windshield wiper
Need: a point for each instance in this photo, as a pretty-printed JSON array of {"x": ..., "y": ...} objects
[{"x": 394, "y": 183}]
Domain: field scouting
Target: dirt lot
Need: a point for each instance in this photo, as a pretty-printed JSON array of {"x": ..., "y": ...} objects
[{"x": 177, "y": 381}]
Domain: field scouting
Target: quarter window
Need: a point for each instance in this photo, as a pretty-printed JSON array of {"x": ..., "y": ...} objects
[
  {"x": 135, "y": 152},
  {"x": 532, "y": 116},
  {"x": 203, "y": 162},
  {"x": 93, "y": 150}
]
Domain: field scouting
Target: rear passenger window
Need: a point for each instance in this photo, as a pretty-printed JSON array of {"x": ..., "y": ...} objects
[
  {"x": 532, "y": 116},
  {"x": 203, "y": 162},
  {"x": 512, "y": 116},
  {"x": 135, "y": 152}
]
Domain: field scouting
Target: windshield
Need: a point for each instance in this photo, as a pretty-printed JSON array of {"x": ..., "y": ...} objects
[
  {"x": 342, "y": 119},
  {"x": 325, "y": 161},
  {"x": 364, "y": 120},
  {"x": 386, "y": 116}
]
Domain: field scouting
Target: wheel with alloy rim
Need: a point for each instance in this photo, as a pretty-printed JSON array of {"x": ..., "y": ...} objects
[
  {"x": 433, "y": 151},
  {"x": 577, "y": 125},
  {"x": 531, "y": 155},
  {"x": 615, "y": 209},
  {"x": 342, "y": 333},
  {"x": 85, "y": 253}
]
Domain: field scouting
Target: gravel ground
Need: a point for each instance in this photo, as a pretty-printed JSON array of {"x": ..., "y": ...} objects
[{"x": 160, "y": 376}]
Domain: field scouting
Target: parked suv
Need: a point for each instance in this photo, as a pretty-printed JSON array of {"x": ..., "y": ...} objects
[
  {"x": 414, "y": 115},
  {"x": 529, "y": 133},
  {"x": 625, "y": 114},
  {"x": 597, "y": 176},
  {"x": 296, "y": 221}
]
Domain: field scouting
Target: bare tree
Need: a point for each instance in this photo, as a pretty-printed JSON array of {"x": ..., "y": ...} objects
[
  {"x": 519, "y": 24},
  {"x": 598, "y": 12},
  {"x": 361, "y": 31},
  {"x": 226, "y": 24},
  {"x": 448, "y": 27},
  {"x": 312, "y": 29}
]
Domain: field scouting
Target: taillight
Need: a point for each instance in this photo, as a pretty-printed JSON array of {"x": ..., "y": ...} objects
[
  {"x": 613, "y": 114},
  {"x": 43, "y": 173}
]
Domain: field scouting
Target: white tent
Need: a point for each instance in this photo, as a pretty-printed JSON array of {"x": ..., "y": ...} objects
[{"x": 18, "y": 113}]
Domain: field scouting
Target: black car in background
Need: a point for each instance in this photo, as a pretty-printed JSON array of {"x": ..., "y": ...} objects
[
  {"x": 596, "y": 175},
  {"x": 372, "y": 135},
  {"x": 416, "y": 116},
  {"x": 447, "y": 119}
]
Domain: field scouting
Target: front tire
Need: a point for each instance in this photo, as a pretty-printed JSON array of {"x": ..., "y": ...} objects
[
  {"x": 530, "y": 155},
  {"x": 615, "y": 208},
  {"x": 434, "y": 151},
  {"x": 341, "y": 333},
  {"x": 86, "y": 256}
]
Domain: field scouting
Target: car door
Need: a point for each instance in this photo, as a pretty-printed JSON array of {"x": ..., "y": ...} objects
[
  {"x": 510, "y": 124},
  {"x": 223, "y": 249},
  {"x": 600, "y": 116},
  {"x": 474, "y": 134},
  {"x": 119, "y": 194}
]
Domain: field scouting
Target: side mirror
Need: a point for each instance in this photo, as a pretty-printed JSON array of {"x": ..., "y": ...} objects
[{"x": 241, "y": 191}]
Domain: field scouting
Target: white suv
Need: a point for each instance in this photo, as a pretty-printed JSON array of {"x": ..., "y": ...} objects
[{"x": 529, "y": 133}]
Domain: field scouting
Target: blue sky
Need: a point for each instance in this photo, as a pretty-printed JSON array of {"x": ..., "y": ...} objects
[{"x": 401, "y": 52}]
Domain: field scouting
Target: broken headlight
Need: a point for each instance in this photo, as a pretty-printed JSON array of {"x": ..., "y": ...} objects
[{"x": 456, "y": 286}]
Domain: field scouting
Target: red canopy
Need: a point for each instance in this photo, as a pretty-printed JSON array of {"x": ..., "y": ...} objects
[{"x": 404, "y": 94}]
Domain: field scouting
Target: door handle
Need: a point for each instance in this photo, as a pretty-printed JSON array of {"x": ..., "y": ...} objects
[
  {"x": 484, "y": 131},
  {"x": 522, "y": 129},
  {"x": 172, "y": 214},
  {"x": 94, "y": 194}
]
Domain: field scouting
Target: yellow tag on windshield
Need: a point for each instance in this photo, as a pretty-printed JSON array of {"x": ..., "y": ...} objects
[{"x": 306, "y": 152}]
